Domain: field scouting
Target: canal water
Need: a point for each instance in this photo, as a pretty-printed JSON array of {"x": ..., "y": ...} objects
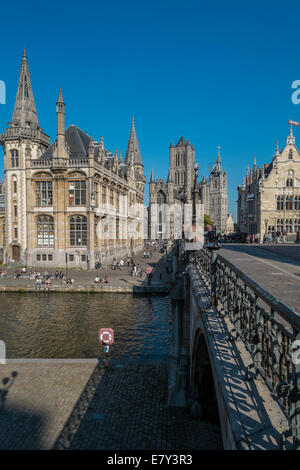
[{"x": 65, "y": 326}]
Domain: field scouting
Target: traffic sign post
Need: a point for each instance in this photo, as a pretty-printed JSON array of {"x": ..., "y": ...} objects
[{"x": 106, "y": 338}]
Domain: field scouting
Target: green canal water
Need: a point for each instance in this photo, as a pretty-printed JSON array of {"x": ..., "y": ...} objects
[{"x": 65, "y": 326}]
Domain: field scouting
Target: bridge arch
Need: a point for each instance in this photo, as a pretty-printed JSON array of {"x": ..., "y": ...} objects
[{"x": 202, "y": 380}]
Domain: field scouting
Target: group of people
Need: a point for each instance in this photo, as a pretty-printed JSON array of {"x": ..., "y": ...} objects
[
  {"x": 117, "y": 264},
  {"x": 98, "y": 280},
  {"x": 136, "y": 270}
]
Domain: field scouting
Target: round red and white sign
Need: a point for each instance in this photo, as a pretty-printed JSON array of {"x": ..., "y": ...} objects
[{"x": 106, "y": 336}]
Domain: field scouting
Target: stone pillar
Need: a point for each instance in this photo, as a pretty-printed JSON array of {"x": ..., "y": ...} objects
[{"x": 178, "y": 372}]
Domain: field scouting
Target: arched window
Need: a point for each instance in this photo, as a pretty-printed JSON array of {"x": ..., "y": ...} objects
[
  {"x": 78, "y": 230},
  {"x": 45, "y": 230},
  {"x": 290, "y": 182},
  {"x": 14, "y": 155},
  {"x": 290, "y": 154},
  {"x": 161, "y": 198}
]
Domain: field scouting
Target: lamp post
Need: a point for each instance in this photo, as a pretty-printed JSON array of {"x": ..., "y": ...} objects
[
  {"x": 195, "y": 192},
  {"x": 213, "y": 247}
]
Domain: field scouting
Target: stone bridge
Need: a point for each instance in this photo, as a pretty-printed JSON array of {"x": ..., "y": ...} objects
[{"x": 235, "y": 354}]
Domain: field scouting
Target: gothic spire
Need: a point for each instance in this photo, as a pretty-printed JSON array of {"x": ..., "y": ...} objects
[
  {"x": 152, "y": 180},
  {"x": 170, "y": 179},
  {"x": 218, "y": 157},
  {"x": 24, "y": 114},
  {"x": 133, "y": 154}
]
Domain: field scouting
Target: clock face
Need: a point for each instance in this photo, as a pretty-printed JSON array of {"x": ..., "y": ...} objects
[{"x": 290, "y": 141}]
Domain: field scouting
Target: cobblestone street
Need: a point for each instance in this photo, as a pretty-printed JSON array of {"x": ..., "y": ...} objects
[{"x": 81, "y": 405}]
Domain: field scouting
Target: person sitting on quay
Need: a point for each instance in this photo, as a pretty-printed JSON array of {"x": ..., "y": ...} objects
[
  {"x": 18, "y": 273},
  {"x": 97, "y": 279},
  {"x": 38, "y": 283},
  {"x": 105, "y": 280}
]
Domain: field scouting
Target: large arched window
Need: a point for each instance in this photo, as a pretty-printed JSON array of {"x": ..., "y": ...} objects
[
  {"x": 161, "y": 198},
  {"x": 14, "y": 155},
  {"x": 45, "y": 230},
  {"x": 78, "y": 230}
]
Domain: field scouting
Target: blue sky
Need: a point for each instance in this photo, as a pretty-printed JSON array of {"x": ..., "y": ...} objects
[{"x": 219, "y": 73}]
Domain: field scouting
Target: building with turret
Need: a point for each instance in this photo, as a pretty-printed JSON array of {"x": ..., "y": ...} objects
[
  {"x": 179, "y": 189},
  {"x": 269, "y": 196},
  {"x": 72, "y": 202}
]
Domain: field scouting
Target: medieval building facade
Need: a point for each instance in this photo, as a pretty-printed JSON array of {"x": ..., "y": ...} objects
[
  {"x": 269, "y": 197},
  {"x": 182, "y": 187},
  {"x": 71, "y": 203}
]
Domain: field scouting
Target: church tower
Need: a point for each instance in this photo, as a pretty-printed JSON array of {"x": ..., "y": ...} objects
[
  {"x": 181, "y": 161},
  {"x": 218, "y": 195},
  {"x": 22, "y": 141}
]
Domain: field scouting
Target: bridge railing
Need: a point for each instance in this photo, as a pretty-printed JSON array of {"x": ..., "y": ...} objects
[{"x": 269, "y": 329}]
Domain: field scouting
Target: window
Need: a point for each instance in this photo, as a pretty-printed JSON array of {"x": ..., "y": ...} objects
[
  {"x": 44, "y": 193},
  {"x": 111, "y": 199},
  {"x": 16, "y": 232},
  {"x": 77, "y": 193},
  {"x": 118, "y": 202},
  {"x": 161, "y": 198},
  {"x": 71, "y": 257},
  {"x": 118, "y": 229},
  {"x": 289, "y": 225},
  {"x": 280, "y": 203},
  {"x": 82, "y": 257},
  {"x": 15, "y": 186},
  {"x": 297, "y": 225},
  {"x": 290, "y": 182},
  {"x": 14, "y": 155},
  {"x": 297, "y": 203},
  {"x": 103, "y": 194},
  {"x": 49, "y": 257},
  {"x": 44, "y": 257},
  {"x": 45, "y": 230},
  {"x": 15, "y": 210},
  {"x": 78, "y": 230},
  {"x": 280, "y": 223},
  {"x": 38, "y": 257},
  {"x": 289, "y": 203},
  {"x": 290, "y": 154}
]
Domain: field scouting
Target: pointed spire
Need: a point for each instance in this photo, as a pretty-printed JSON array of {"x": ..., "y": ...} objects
[
  {"x": 277, "y": 149},
  {"x": 24, "y": 114},
  {"x": 60, "y": 123},
  {"x": 152, "y": 180},
  {"x": 102, "y": 143},
  {"x": 254, "y": 161},
  {"x": 218, "y": 157},
  {"x": 133, "y": 154},
  {"x": 120, "y": 158},
  {"x": 60, "y": 96},
  {"x": 170, "y": 179},
  {"x": 290, "y": 139}
]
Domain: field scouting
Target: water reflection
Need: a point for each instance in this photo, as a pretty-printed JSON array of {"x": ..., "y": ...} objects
[{"x": 66, "y": 325}]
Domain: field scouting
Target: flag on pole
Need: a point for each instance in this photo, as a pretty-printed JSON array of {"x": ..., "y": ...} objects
[{"x": 294, "y": 123}]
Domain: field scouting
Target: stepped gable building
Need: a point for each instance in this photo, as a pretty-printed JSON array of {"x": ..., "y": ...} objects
[
  {"x": 269, "y": 197},
  {"x": 179, "y": 187},
  {"x": 71, "y": 203}
]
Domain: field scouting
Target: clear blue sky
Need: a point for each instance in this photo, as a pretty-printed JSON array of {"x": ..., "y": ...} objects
[{"x": 219, "y": 73}]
